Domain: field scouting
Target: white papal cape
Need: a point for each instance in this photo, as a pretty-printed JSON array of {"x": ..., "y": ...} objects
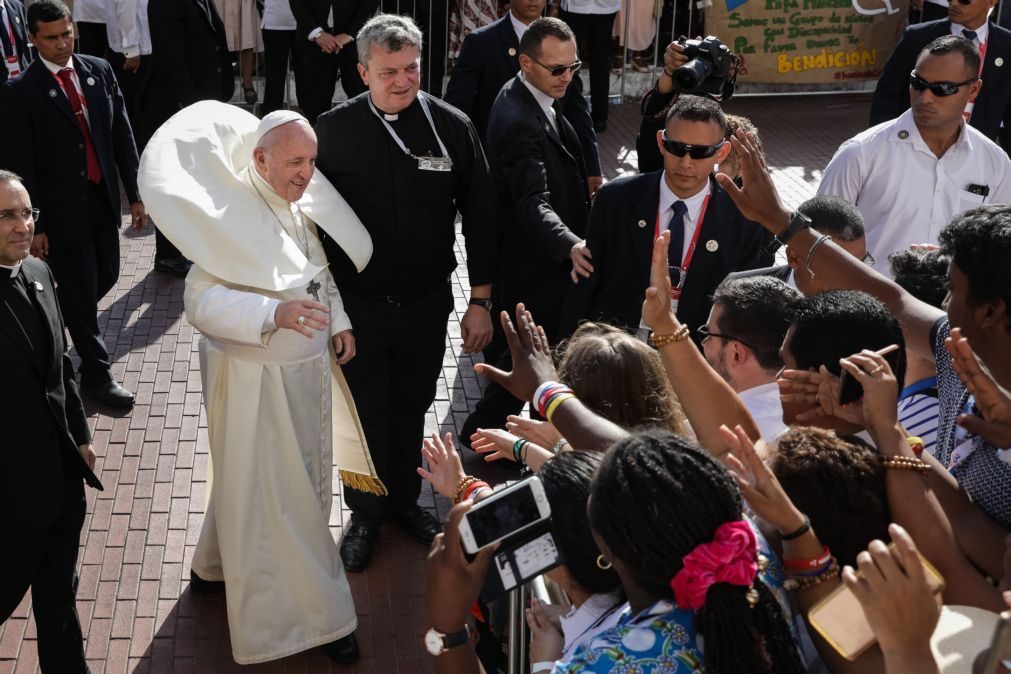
[{"x": 277, "y": 406}]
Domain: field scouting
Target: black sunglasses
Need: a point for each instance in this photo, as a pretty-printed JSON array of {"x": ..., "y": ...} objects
[
  {"x": 679, "y": 149},
  {"x": 558, "y": 71},
  {"x": 940, "y": 89},
  {"x": 703, "y": 332}
]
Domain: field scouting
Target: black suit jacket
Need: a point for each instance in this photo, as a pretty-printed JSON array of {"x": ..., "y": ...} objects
[
  {"x": 543, "y": 197},
  {"x": 19, "y": 20},
  {"x": 190, "y": 61},
  {"x": 43, "y": 143},
  {"x": 993, "y": 105},
  {"x": 44, "y": 422},
  {"x": 620, "y": 237},
  {"x": 348, "y": 16},
  {"x": 488, "y": 59}
]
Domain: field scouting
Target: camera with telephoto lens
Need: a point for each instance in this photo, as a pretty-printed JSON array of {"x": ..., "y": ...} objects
[{"x": 708, "y": 70}]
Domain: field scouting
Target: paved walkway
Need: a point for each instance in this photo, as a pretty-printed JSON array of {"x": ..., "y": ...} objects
[{"x": 136, "y": 609}]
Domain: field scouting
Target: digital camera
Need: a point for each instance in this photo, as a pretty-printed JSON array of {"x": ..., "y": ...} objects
[{"x": 711, "y": 68}]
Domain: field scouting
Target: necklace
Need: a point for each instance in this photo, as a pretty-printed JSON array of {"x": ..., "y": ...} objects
[{"x": 299, "y": 227}]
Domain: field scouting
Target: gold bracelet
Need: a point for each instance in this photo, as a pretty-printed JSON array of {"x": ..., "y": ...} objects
[
  {"x": 461, "y": 487},
  {"x": 807, "y": 582},
  {"x": 679, "y": 335},
  {"x": 907, "y": 463}
]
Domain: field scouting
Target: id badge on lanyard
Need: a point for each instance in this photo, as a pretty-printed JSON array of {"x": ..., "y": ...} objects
[
  {"x": 681, "y": 272},
  {"x": 441, "y": 164}
]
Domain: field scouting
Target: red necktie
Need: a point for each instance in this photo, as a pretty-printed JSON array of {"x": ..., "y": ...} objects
[{"x": 94, "y": 168}]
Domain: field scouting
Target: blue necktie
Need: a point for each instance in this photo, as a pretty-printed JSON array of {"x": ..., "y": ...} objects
[
  {"x": 969, "y": 35},
  {"x": 677, "y": 238}
]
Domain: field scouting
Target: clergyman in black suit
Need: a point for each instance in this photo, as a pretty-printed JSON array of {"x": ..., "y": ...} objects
[
  {"x": 992, "y": 106},
  {"x": 709, "y": 236},
  {"x": 190, "y": 63},
  {"x": 46, "y": 453},
  {"x": 538, "y": 167},
  {"x": 489, "y": 58},
  {"x": 65, "y": 129},
  {"x": 324, "y": 35},
  {"x": 18, "y": 54}
]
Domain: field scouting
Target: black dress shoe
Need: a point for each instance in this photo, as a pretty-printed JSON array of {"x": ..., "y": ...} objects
[
  {"x": 176, "y": 266},
  {"x": 356, "y": 546},
  {"x": 109, "y": 393},
  {"x": 200, "y": 586},
  {"x": 419, "y": 523},
  {"x": 343, "y": 651}
]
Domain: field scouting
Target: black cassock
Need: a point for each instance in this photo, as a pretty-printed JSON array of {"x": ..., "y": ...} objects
[{"x": 400, "y": 303}]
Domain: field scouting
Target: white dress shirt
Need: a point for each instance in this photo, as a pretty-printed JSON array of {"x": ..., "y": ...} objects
[
  {"x": 127, "y": 28},
  {"x": 54, "y": 69},
  {"x": 981, "y": 33},
  {"x": 544, "y": 101},
  {"x": 90, "y": 11},
  {"x": 691, "y": 219},
  {"x": 907, "y": 194},
  {"x": 277, "y": 15},
  {"x": 518, "y": 26},
  {"x": 766, "y": 409}
]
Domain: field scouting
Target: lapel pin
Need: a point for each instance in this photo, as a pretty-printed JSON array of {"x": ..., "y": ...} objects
[
  {"x": 642, "y": 223},
  {"x": 52, "y": 93},
  {"x": 998, "y": 62},
  {"x": 712, "y": 245},
  {"x": 38, "y": 286},
  {"x": 17, "y": 19},
  {"x": 547, "y": 128},
  {"x": 903, "y": 134},
  {"x": 512, "y": 52},
  {"x": 91, "y": 81}
]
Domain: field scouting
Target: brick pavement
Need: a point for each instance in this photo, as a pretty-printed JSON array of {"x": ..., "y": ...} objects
[{"x": 137, "y": 612}]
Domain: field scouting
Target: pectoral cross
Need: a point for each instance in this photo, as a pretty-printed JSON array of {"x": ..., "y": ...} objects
[{"x": 313, "y": 289}]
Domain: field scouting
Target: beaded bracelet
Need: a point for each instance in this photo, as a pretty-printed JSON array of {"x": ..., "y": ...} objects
[
  {"x": 464, "y": 483},
  {"x": 906, "y": 463},
  {"x": 916, "y": 444},
  {"x": 807, "y": 582},
  {"x": 801, "y": 565},
  {"x": 679, "y": 335}
]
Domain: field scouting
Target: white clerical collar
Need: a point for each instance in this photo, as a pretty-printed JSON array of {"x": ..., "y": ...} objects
[
  {"x": 693, "y": 203},
  {"x": 542, "y": 98},
  {"x": 54, "y": 69},
  {"x": 518, "y": 25},
  {"x": 981, "y": 33},
  {"x": 17, "y": 267}
]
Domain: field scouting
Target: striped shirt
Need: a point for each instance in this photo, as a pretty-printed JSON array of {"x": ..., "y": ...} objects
[{"x": 918, "y": 410}]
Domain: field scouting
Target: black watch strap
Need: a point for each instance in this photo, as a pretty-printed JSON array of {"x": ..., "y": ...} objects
[
  {"x": 798, "y": 221},
  {"x": 455, "y": 639},
  {"x": 481, "y": 302}
]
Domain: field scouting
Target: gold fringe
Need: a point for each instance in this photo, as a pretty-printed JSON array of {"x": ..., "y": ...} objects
[{"x": 365, "y": 483}]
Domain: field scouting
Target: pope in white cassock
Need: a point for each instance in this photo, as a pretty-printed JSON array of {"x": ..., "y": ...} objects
[{"x": 241, "y": 198}]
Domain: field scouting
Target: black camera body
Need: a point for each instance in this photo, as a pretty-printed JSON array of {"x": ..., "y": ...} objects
[{"x": 708, "y": 70}]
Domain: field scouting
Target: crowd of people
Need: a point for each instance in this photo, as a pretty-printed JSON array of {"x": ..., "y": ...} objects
[{"x": 725, "y": 443}]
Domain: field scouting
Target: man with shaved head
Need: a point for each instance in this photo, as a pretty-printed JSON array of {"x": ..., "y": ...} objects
[{"x": 241, "y": 198}]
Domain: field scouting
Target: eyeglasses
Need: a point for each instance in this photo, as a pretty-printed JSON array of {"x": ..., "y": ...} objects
[
  {"x": 558, "y": 71},
  {"x": 868, "y": 259},
  {"x": 26, "y": 215},
  {"x": 941, "y": 89},
  {"x": 703, "y": 332},
  {"x": 679, "y": 149}
]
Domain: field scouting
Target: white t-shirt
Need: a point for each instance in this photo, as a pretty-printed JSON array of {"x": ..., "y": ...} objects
[
  {"x": 89, "y": 11},
  {"x": 277, "y": 15},
  {"x": 591, "y": 6},
  {"x": 906, "y": 194}
]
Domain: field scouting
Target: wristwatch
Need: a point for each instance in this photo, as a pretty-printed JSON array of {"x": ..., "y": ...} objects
[
  {"x": 798, "y": 221},
  {"x": 481, "y": 302},
  {"x": 438, "y": 643}
]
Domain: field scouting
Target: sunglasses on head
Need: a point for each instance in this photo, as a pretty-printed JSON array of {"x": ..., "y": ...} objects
[
  {"x": 558, "y": 71},
  {"x": 679, "y": 149},
  {"x": 941, "y": 89}
]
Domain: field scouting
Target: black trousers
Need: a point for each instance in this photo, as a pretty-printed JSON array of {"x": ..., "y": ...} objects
[
  {"x": 316, "y": 74},
  {"x": 594, "y": 31},
  {"x": 84, "y": 273},
  {"x": 277, "y": 44},
  {"x": 45, "y": 559},
  {"x": 92, "y": 39},
  {"x": 393, "y": 380}
]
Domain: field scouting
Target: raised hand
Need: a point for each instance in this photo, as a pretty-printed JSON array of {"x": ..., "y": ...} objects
[
  {"x": 541, "y": 432},
  {"x": 531, "y": 356},
  {"x": 445, "y": 467},
  {"x": 992, "y": 399},
  {"x": 820, "y": 390},
  {"x": 656, "y": 309},
  {"x": 758, "y": 200},
  {"x": 494, "y": 444},
  {"x": 881, "y": 389}
]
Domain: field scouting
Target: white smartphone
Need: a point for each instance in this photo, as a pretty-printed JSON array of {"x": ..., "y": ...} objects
[{"x": 504, "y": 513}]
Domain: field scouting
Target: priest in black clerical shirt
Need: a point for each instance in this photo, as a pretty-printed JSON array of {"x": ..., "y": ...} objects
[{"x": 407, "y": 163}]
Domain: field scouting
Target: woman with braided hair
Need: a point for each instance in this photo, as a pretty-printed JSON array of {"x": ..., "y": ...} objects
[{"x": 700, "y": 580}]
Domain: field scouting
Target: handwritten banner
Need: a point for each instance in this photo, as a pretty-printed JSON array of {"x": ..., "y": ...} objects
[{"x": 808, "y": 41}]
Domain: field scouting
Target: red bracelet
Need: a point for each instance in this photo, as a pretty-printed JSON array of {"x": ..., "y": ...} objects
[
  {"x": 809, "y": 564},
  {"x": 473, "y": 487}
]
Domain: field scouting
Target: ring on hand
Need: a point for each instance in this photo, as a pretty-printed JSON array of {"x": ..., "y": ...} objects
[
  {"x": 301, "y": 320},
  {"x": 877, "y": 369}
]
